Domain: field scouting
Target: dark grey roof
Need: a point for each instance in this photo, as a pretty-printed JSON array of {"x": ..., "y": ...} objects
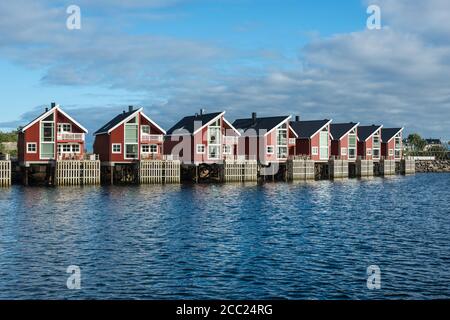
[
  {"x": 340, "y": 129},
  {"x": 388, "y": 133},
  {"x": 264, "y": 123},
  {"x": 189, "y": 123},
  {"x": 366, "y": 131},
  {"x": 118, "y": 119},
  {"x": 305, "y": 129},
  {"x": 433, "y": 141}
]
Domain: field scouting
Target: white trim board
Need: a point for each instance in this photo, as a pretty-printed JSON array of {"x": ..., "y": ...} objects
[{"x": 46, "y": 114}]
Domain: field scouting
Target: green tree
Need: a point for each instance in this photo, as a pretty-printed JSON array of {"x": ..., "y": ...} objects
[{"x": 416, "y": 141}]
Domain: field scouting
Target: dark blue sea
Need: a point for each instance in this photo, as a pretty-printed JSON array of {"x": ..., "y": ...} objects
[{"x": 229, "y": 241}]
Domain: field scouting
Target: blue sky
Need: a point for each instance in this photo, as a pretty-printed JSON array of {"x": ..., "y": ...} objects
[{"x": 173, "y": 57}]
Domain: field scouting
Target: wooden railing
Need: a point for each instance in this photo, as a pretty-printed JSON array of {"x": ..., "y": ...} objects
[
  {"x": 71, "y": 136},
  {"x": 152, "y": 138}
]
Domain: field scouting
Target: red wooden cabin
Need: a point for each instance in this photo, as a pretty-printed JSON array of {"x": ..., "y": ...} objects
[
  {"x": 129, "y": 137},
  {"x": 314, "y": 139},
  {"x": 54, "y": 135},
  {"x": 202, "y": 138},
  {"x": 344, "y": 140},
  {"x": 369, "y": 142},
  {"x": 391, "y": 143},
  {"x": 266, "y": 139}
]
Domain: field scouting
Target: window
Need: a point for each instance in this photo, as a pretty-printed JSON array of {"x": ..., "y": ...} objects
[
  {"x": 145, "y": 148},
  {"x": 200, "y": 148},
  {"x": 351, "y": 153},
  {"x": 47, "y": 134},
  {"x": 269, "y": 150},
  {"x": 226, "y": 149},
  {"x": 32, "y": 147},
  {"x": 352, "y": 145},
  {"x": 376, "y": 153},
  {"x": 64, "y": 127},
  {"x": 68, "y": 148},
  {"x": 324, "y": 144},
  {"x": 213, "y": 152},
  {"x": 391, "y": 152},
  {"x": 153, "y": 148},
  {"x": 315, "y": 151},
  {"x": 282, "y": 153},
  {"x": 343, "y": 151},
  {"x": 131, "y": 151},
  {"x": 116, "y": 148},
  {"x": 369, "y": 152},
  {"x": 214, "y": 140},
  {"x": 76, "y": 148},
  {"x": 145, "y": 129}
]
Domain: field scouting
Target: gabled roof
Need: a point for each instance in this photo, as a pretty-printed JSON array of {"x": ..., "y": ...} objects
[
  {"x": 388, "y": 133},
  {"x": 307, "y": 129},
  {"x": 124, "y": 117},
  {"x": 340, "y": 130},
  {"x": 49, "y": 112},
  {"x": 116, "y": 121},
  {"x": 365, "y": 132},
  {"x": 265, "y": 123},
  {"x": 190, "y": 124}
]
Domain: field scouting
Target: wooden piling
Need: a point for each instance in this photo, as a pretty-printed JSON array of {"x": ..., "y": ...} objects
[{"x": 5, "y": 173}]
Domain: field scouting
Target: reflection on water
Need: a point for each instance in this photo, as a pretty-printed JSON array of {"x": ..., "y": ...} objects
[{"x": 276, "y": 240}]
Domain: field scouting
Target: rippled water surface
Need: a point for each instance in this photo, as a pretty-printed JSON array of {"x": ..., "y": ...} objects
[{"x": 298, "y": 241}]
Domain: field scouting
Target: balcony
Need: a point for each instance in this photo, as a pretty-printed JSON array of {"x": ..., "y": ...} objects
[
  {"x": 230, "y": 140},
  {"x": 148, "y": 138},
  {"x": 67, "y": 136}
]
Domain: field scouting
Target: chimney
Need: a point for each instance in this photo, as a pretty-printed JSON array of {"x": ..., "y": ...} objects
[
  {"x": 254, "y": 117},
  {"x": 53, "y": 104},
  {"x": 46, "y": 109},
  {"x": 130, "y": 108},
  {"x": 202, "y": 111},
  {"x": 297, "y": 118}
]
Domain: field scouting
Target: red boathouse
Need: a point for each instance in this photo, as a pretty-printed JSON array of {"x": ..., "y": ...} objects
[
  {"x": 369, "y": 142},
  {"x": 202, "y": 138},
  {"x": 314, "y": 139},
  {"x": 131, "y": 136},
  {"x": 344, "y": 140},
  {"x": 266, "y": 139},
  {"x": 391, "y": 143},
  {"x": 54, "y": 135}
]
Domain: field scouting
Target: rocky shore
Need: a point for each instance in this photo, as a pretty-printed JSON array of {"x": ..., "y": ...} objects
[{"x": 433, "y": 166}]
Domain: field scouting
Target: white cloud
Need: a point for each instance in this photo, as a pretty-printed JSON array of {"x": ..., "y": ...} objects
[{"x": 396, "y": 76}]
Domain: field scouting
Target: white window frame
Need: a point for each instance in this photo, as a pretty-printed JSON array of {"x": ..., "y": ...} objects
[
  {"x": 315, "y": 151},
  {"x": 32, "y": 144},
  {"x": 145, "y": 146},
  {"x": 73, "y": 148},
  {"x": 270, "y": 152},
  {"x": 369, "y": 152},
  {"x": 115, "y": 145},
  {"x": 343, "y": 151},
  {"x": 145, "y": 126},
  {"x": 150, "y": 148},
  {"x": 391, "y": 152},
  {"x": 200, "y": 146},
  {"x": 61, "y": 127},
  {"x": 226, "y": 149}
]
